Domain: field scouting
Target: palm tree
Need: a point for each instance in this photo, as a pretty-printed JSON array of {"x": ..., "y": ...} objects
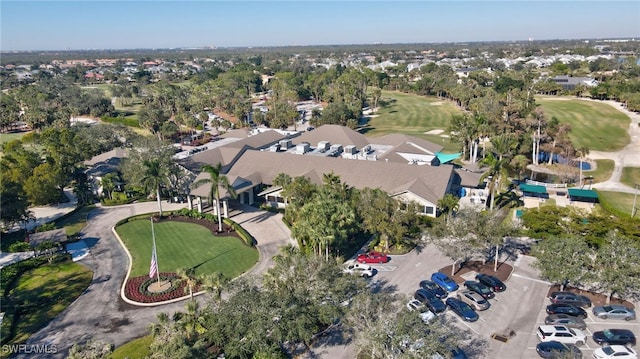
[
  {"x": 495, "y": 172},
  {"x": 519, "y": 164},
  {"x": 192, "y": 322},
  {"x": 108, "y": 183},
  {"x": 502, "y": 146},
  {"x": 215, "y": 283},
  {"x": 217, "y": 180},
  {"x": 187, "y": 276},
  {"x": 154, "y": 174},
  {"x": 448, "y": 204}
]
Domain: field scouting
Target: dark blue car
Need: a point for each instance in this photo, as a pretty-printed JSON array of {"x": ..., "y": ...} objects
[
  {"x": 444, "y": 282},
  {"x": 434, "y": 303},
  {"x": 492, "y": 282},
  {"x": 480, "y": 288},
  {"x": 462, "y": 309},
  {"x": 433, "y": 288}
]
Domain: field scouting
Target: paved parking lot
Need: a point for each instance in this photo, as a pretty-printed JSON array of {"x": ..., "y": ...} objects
[{"x": 520, "y": 309}]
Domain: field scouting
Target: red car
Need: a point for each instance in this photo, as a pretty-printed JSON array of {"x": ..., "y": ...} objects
[{"x": 372, "y": 257}]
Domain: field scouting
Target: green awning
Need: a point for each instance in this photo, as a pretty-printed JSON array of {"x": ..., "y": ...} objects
[
  {"x": 583, "y": 193},
  {"x": 533, "y": 188},
  {"x": 447, "y": 157}
]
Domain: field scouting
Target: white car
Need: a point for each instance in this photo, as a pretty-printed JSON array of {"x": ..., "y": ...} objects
[
  {"x": 415, "y": 305},
  {"x": 360, "y": 269},
  {"x": 562, "y": 334},
  {"x": 615, "y": 351}
]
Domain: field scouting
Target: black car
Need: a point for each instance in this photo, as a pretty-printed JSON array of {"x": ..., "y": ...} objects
[
  {"x": 492, "y": 282},
  {"x": 570, "y": 298},
  {"x": 462, "y": 309},
  {"x": 555, "y": 349},
  {"x": 480, "y": 288},
  {"x": 569, "y": 309},
  {"x": 434, "y": 288},
  {"x": 614, "y": 337},
  {"x": 429, "y": 299}
]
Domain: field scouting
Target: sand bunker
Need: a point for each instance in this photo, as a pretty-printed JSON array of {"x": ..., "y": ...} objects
[{"x": 434, "y": 132}]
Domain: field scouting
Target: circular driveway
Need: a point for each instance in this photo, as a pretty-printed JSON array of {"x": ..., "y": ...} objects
[{"x": 99, "y": 313}]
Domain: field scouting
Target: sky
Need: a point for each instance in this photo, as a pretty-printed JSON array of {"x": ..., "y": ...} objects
[{"x": 115, "y": 24}]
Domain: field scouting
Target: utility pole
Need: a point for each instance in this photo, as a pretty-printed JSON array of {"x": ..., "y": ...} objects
[{"x": 635, "y": 194}]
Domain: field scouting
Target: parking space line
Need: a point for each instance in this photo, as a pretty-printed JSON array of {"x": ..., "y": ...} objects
[
  {"x": 532, "y": 279},
  {"x": 385, "y": 268},
  {"x": 616, "y": 323}
]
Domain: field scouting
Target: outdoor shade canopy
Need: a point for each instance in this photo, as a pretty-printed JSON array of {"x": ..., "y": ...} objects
[
  {"x": 583, "y": 193},
  {"x": 533, "y": 188},
  {"x": 447, "y": 157}
]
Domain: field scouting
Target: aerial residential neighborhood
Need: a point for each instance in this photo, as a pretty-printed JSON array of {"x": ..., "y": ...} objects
[{"x": 177, "y": 187}]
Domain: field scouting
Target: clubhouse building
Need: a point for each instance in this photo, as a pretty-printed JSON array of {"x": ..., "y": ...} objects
[{"x": 406, "y": 167}]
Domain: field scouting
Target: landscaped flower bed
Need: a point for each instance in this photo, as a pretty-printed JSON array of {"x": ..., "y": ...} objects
[{"x": 136, "y": 288}]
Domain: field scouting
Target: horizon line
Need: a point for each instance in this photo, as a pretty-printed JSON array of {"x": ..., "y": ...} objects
[{"x": 212, "y": 47}]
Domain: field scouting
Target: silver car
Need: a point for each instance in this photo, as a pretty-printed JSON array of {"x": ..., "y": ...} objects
[
  {"x": 475, "y": 300},
  {"x": 614, "y": 311},
  {"x": 566, "y": 320}
]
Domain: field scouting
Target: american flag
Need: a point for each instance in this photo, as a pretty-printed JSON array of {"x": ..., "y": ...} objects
[{"x": 153, "y": 269}]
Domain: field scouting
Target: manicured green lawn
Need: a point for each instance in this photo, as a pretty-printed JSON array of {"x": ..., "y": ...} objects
[
  {"x": 6, "y": 137},
  {"x": 44, "y": 292},
  {"x": 185, "y": 245},
  {"x": 76, "y": 221},
  {"x": 630, "y": 176},
  {"x": 621, "y": 201},
  {"x": 135, "y": 349},
  {"x": 413, "y": 115},
  {"x": 594, "y": 125},
  {"x": 603, "y": 171}
]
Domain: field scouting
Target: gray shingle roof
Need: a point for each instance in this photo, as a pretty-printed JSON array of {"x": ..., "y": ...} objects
[
  {"x": 245, "y": 164},
  {"x": 335, "y": 134},
  {"x": 115, "y": 153},
  {"x": 430, "y": 183}
]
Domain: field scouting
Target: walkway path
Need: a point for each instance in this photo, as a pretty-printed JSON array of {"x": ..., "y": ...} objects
[
  {"x": 629, "y": 156},
  {"x": 99, "y": 313}
]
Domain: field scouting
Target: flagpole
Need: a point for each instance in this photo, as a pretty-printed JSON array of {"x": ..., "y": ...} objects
[{"x": 153, "y": 235}]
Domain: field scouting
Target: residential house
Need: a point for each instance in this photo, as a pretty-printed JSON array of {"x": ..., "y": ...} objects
[
  {"x": 570, "y": 83},
  {"x": 101, "y": 165}
]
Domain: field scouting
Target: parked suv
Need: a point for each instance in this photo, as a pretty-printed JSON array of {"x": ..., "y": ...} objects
[
  {"x": 429, "y": 299},
  {"x": 562, "y": 334},
  {"x": 614, "y": 337},
  {"x": 570, "y": 298}
]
